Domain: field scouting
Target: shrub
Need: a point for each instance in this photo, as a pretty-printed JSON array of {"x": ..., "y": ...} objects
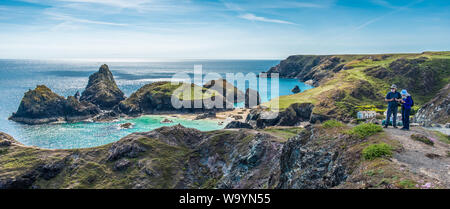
[
  {"x": 422, "y": 138},
  {"x": 332, "y": 124},
  {"x": 377, "y": 150},
  {"x": 365, "y": 130}
]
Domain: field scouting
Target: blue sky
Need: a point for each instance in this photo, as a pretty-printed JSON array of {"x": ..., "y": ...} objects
[{"x": 223, "y": 29}]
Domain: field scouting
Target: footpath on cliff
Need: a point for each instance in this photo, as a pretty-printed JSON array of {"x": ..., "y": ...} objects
[{"x": 432, "y": 161}]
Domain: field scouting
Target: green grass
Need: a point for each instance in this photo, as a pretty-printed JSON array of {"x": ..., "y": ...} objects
[
  {"x": 376, "y": 151},
  {"x": 365, "y": 130},
  {"x": 422, "y": 138},
  {"x": 442, "y": 137},
  {"x": 407, "y": 184},
  {"x": 332, "y": 124},
  {"x": 167, "y": 89},
  {"x": 285, "y": 133}
]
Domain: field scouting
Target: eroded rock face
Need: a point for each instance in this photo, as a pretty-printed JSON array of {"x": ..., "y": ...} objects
[
  {"x": 437, "y": 110},
  {"x": 102, "y": 89},
  {"x": 293, "y": 115},
  {"x": 41, "y": 105},
  {"x": 76, "y": 110},
  {"x": 306, "y": 164}
]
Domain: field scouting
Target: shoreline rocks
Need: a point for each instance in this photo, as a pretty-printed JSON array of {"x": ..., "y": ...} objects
[{"x": 126, "y": 125}]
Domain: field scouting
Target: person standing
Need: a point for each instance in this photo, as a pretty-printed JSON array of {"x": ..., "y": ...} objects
[
  {"x": 392, "y": 98},
  {"x": 407, "y": 103}
]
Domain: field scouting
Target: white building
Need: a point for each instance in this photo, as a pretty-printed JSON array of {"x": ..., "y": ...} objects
[{"x": 366, "y": 114}]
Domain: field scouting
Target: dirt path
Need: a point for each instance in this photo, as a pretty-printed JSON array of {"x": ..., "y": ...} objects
[{"x": 423, "y": 159}]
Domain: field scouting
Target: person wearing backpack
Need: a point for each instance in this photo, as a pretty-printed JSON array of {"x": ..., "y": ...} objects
[
  {"x": 393, "y": 97},
  {"x": 407, "y": 103}
]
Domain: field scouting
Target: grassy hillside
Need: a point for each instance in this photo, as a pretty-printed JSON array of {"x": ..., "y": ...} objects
[{"x": 365, "y": 80}]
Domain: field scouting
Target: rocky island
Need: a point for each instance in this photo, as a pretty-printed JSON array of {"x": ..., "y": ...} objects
[
  {"x": 103, "y": 100},
  {"x": 41, "y": 105}
]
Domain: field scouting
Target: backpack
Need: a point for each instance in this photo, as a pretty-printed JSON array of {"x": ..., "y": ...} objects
[{"x": 412, "y": 101}]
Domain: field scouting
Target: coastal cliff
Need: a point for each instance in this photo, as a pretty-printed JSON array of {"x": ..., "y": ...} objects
[
  {"x": 331, "y": 155},
  {"x": 346, "y": 82}
]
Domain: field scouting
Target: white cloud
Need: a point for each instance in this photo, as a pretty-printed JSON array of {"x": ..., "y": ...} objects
[
  {"x": 67, "y": 18},
  {"x": 135, "y": 4},
  {"x": 253, "y": 17}
]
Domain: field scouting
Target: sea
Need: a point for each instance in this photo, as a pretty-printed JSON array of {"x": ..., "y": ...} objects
[{"x": 66, "y": 77}]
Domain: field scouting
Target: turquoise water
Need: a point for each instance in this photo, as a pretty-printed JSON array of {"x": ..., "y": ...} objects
[
  {"x": 91, "y": 134},
  {"x": 67, "y": 77}
]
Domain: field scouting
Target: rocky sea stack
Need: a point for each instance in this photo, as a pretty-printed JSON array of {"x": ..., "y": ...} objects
[
  {"x": 102, "y": 89},
  {"x": 42, "y": 105}
]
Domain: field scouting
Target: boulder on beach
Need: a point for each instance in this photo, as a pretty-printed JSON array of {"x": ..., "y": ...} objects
[
  {"x": 205, "y": 115},
  {"x": 102, "y": 89},
  {"x": 126, "y": 125},
  {"x": 237, "y": 117},
  {"x": 166, "y": 121}
]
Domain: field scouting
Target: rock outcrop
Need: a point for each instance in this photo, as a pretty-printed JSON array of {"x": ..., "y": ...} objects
[
  {"x": 238, "y": 124},
  {"x": 252, "y": 98},
  {"x": 293, "y": 115},
  {"x": 308, "y": 67},
  {"x": 102, "y": 89},
  {"x": 296, "y": 89},
  {"x": 42, "y": 105},
  {"x": 437, "y": 110},
  {"x": 307, "y": 164}
]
